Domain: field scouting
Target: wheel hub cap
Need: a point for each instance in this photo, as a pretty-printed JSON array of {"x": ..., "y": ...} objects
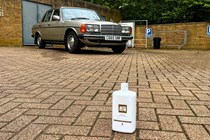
[{"x": 70, "y": 42}]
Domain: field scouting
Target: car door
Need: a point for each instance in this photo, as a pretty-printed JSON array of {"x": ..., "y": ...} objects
[
  {"x": 55, "y": 26},
  {"x": 44, "y": 25}
]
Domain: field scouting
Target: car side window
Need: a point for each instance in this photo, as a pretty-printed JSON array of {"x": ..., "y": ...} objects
[
  {"x": 56, "y": 13},
  {"x": 47, "y": 16}
]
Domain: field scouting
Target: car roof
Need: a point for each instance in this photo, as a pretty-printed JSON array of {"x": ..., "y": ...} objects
[{"x": 60, "y": 7}]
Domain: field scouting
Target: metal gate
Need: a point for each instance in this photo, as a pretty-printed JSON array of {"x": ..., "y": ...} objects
[{"x": 31, "y": 13}]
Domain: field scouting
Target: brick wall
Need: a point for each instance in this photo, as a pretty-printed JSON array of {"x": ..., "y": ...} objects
[
  {"x": 196, "y": 35},
  {"x": 11, "y": 21}
]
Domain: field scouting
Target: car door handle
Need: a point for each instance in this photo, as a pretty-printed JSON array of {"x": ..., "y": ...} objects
[{"x": 49, "y": 24}]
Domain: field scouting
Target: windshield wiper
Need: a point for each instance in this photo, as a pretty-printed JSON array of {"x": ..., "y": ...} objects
[{"x": 79, "y": 18}]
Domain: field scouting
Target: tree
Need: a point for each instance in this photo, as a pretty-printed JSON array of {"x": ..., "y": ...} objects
[{"x": 161, "y": 11}]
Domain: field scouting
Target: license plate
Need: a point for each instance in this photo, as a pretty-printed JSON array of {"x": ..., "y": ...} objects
[{"x": 113, "y": 38}]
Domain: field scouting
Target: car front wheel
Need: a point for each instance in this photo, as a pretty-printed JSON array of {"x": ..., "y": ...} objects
[
  {"x": 40, "y": 42},
  {"x": 118, "y": 49},
  {"x": 72, "y": 43}
]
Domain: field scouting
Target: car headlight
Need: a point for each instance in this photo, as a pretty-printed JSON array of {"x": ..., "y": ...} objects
[
  {"x": 126, "y": 30},
  {"x": 91, "y": 28}
]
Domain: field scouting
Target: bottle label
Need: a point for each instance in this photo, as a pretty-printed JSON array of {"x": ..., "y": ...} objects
[{"x": 122, "y": 108}]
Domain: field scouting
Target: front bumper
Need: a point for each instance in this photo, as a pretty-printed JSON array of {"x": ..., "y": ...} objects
[{"x": 99, "y": 40}]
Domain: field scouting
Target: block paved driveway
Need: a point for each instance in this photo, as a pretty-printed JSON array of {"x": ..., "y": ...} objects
[{"x": 50, "y": 94}]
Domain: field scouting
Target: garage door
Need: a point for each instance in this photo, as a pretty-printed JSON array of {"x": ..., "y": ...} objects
[{"x": 31, "y": 13}]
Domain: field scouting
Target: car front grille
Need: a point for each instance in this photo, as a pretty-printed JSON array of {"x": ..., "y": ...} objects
[{"x": 111, "y": 30}]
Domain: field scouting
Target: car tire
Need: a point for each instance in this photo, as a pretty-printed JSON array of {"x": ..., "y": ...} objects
[
  {"x": 118, "y": 49},
  {"x": 72, "y": 43},
  {"x": 41, "y": 44}
]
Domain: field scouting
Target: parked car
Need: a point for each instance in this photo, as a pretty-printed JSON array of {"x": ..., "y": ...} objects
[{"x": 79, "y": 27}]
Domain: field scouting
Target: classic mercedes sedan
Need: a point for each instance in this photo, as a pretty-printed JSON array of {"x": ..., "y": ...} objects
[{"x": 79, "y": 27}]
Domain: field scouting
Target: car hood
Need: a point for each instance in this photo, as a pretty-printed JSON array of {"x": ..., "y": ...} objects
[{"x": 91, "y": 22}]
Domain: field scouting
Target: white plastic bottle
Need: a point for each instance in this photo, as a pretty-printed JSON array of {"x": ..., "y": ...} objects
[{"x": 124, "y": 110}]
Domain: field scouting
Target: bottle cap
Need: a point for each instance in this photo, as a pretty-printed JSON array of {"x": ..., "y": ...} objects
[{"x": 124, "y": 86}]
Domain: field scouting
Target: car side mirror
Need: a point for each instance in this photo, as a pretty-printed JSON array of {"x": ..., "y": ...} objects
[{"x": 56, "y": 18}]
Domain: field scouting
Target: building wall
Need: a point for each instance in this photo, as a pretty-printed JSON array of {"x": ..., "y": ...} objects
[
  {"x": 10, "y": 23},
  {"x": 11, "y": 20},
  {"x": 196, "y": 35}
]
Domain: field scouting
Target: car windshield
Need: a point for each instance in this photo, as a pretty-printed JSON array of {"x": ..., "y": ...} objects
[{"x": 75, "y": 13}]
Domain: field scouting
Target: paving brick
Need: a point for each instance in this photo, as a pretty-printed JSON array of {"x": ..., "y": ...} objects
[
  {"x": 61, "y": 91},
  {"x": 16, "y": 92},
  {"x": 54, "y": 120},
  {"x": 30, "y": 132},
  {"x": 68, "y": 130},
  {"x": 123, "y": 136},
  {"x": 80, "y": 89},
  {"x": 169, "y": 89},
  {"x": 90, "y": 103},
  {"x": 12, "y": 114},
  {"x": 195, "y": 120},
  {"x": 18, "y": 124},
  {"x": 5, "y": 100},
  {"x": 72, "y": 85},
  {"x": 49, "y": 137},
  {"x": 27, "y": 100},
  {"x": 85, "y": 98},
  {"x": 147, "y": 125},
  {"x": 35, "y": 105},
  {"x": 165, "y": 93},
  {"x": 7, "y": 107},
  {"x": 73, "y": 111},
  {"x": 62, "y": 104},
  {"x": 207, "y": 103},
  {"x": 147, "y": 114},
  {"x": 144, "y": 94},
  {"x": 20, "y": 95},
  {"x": 169, "y": 123},
  {"x": 32, "y": 87},
  {"x": 2, "y": 124},
  {"x": 156, "y": 86},
  {"x": 39, "y": 90},
  {"x": 183, "y": 98},
  {"x": 144, "y": 100},
  {"x": 184, "y": 92},
  {"x": 103, "y": 127},
  {"x": 196, "y": 132},
  {"x": 106, "y": 115},
  {"x": 44, "y": 94},
  {"x": 175, "y": 112},
  {"x": 90, "y": 92},
  {"x": 44, "y": 112},
  {"x": 99, "y": 108},
  {"x": 84, "y": 138},
  {"x": 163, "y": 135},
  {"x": 155, "y": 105},
  {"x": 160, "y": 99},
  {"x": 179, "y": 104},
  {"x": 5, "y": 135},
  {"x": 189, "y": 84},
  {"x": 200, "y": 110},
  {"x": 52, "y": 99},
  {"x": 204, "y": 97},
  {"x": 101, "y": 97},
  {"x": 204, "y": 87},
  {"x": 87, "y": 118},
  {"x": 109, "y": 101}
]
